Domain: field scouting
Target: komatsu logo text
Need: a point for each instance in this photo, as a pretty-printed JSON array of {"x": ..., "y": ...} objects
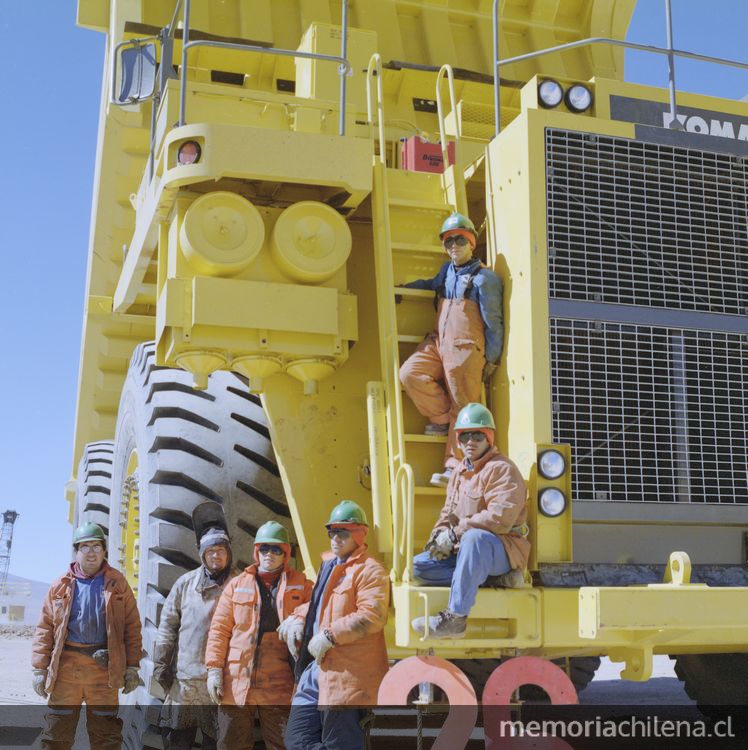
[{"x": 698, "y": 121}]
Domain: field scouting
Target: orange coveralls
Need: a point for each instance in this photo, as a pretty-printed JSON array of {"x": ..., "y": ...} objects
[
  {"x": 255, "y": 680},
  {"x": 73, "y": 677},
  {"x": 454, "y": 354}
]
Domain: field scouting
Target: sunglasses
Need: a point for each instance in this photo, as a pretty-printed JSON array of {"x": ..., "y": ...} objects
[
  {"x": 273, "y": 548},
  {"x": 86, "y": 548},
  {"x": 342, "y": 533},
  {"x": 476, "y": 437},
  {"x": 457, "y": 239}
]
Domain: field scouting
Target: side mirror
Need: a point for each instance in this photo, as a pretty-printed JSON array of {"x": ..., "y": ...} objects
[{"x": 134, "y": 64}]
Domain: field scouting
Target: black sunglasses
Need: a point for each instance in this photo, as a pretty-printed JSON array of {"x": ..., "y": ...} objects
[
  {"x": 466, "y": 437},
  {"x": 342, "y": 533},
  {"x": 458, "y": 239},
  {"x": 274, "y": 548}
]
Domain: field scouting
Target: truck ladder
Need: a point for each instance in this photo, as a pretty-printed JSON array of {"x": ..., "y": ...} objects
[{"x": 407, "y": 209}]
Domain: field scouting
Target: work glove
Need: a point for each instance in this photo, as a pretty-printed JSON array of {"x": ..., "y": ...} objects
[
  {"x": 38, "y": 681},
  {"x": 320, "y": 645},
  {"x": 163, "y": 659},
  {"x": 101, "y": 657},
  {"x": 489, "y": 368},
  {"x": 215, "y": 684},
  {"x": 291, "y": 631},
  {"x": 442, "y": 545},
  {"x": 164, "y": 676},
  {"x": 132, "y": 680}
]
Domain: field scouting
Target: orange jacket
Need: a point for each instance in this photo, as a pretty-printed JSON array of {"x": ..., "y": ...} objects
[
  {"x": 490, "y": 496},
  {"x": 122, "y": 626},
  {"x": 232, "y": 639},
  {"x": 354, "y": 607}
]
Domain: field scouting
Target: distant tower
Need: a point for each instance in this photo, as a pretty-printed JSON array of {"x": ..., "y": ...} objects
[{"x": 6, "y": 540}]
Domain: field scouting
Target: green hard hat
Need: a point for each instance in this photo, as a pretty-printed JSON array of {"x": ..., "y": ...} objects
[
  {"x": 457, "y": 221},
  {"x": 89, "y": 532},
  {"x": 347, "y": 512},
  {"x": 272, "y": 533},
  {"x": 474, "y": 417}
]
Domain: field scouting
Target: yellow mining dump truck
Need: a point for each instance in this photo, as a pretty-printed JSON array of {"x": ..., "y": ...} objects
[{"x": 253, "y": 224}]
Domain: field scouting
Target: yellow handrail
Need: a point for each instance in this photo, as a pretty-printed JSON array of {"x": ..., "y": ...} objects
[
  {"x": 375, "y": 69},
  {"x": 447, "y": 69},
  {"x": 403, "y": 520}
]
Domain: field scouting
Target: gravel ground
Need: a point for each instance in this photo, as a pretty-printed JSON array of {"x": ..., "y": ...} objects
[{"x": 15, "y": 666}]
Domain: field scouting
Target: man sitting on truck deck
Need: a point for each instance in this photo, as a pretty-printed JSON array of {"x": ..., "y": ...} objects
[
  {"x": 248, "y": 666},
  {"x": 481, "y": 531},
  {"x": 179, "y": 653},
  {"x": 445, "y": 371},
  {"x": 342, "y": 654}
]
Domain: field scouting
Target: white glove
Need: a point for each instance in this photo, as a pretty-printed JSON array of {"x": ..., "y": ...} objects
[
  {"x": 215, "y": 684},
  {"x": 38, "y": 681},
  {"x": 319, "y": 646},
  {"x": 442, "y": 545},
  {"x": 291, "y": 631}
]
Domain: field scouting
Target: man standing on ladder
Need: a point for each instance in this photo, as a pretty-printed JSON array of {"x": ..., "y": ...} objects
[{"x": 445, "y": 372}]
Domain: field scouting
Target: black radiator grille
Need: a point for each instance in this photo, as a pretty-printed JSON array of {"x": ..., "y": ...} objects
[
  {"x": 652, "y": 414},
  {"x": 646, "y": 224},
  {"x": 648, "y": 275}
]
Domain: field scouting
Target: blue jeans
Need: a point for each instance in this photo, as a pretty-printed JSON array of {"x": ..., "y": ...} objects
[
  {"x": 310, "y": 727},
  {"x": 481, "y": 554}
]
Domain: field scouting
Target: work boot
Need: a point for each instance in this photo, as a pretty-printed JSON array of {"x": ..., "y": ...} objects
[
  {"x": 514, "y": 579},
  {"x": 445, "y": 624},
  {"x": 436, "y": 429},
  {"x": 441, "y": 479}
]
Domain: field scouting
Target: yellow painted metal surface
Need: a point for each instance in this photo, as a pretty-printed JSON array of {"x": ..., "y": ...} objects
[{"x": 282, "y": 252}]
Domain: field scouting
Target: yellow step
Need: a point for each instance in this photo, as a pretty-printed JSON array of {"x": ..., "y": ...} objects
[
  {"x": 420, "y": 205},
  {"x": 412, "y": 437},
  {"x": 424, "y": 294},
  {"x": 430, "y": 490},
  {"x": 406, "y": 339},
  {"x": 418, "y": 248}
]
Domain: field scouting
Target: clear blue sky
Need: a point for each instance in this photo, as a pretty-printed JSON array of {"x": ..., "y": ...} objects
[{"x": 51, "y": 79}]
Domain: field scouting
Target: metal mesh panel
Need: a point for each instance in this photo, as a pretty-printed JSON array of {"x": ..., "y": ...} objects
[
  {"x": 646, "y": 224},
  {"x": 652, "y": 414}
]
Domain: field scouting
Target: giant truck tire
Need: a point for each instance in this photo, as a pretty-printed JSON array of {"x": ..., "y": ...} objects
[
  {"x": 714, "y": 680},
  {"x": 94, "y": 485},
  {"x": 174, "y": 448},
  {"x": 581, "y": 671}
]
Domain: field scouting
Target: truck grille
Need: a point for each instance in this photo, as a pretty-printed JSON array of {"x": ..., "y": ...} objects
[
  {"x": 652, "y": 414},
  {"x": 652, "y": 400},
  {"x": 645, "y": 224}
]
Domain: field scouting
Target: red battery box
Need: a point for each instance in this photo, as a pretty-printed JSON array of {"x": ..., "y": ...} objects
[{"x": 417, "y": 155}]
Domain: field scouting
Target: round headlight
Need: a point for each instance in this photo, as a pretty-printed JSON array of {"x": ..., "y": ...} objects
[
  {"x": 189, "y": 153},
  {"x": 550, "y": 93},
  {"x": 552, "y": 502},
  {"x": 578, "y": 98},
  {"x": 551, "y": 464}
]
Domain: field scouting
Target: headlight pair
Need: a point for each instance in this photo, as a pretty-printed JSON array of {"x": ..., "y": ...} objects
[
  {"x": 578, "y": 98},
  {"x": 551, "y": 501}
]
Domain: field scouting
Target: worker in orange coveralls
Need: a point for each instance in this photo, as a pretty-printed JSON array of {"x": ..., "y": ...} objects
[
  {"x": 249, "y": 670},
  {"x": 444, "y": 374},
  {"x": 343, "y": 656},
  {"x": 87, "y": 646}
]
